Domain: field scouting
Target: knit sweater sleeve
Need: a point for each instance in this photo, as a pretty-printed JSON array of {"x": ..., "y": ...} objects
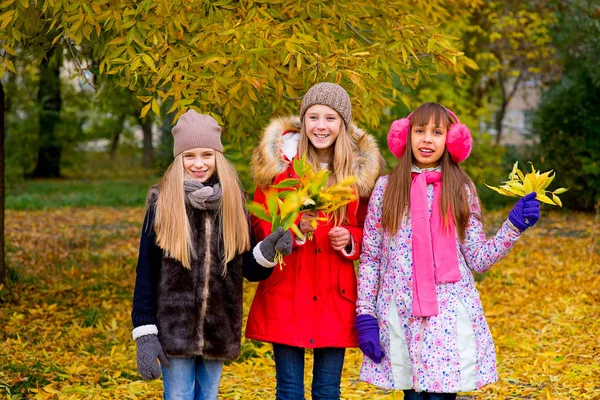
[
  {"x": 481, "y": 254},
  {"x": 147, "y": 273},
  {"x": 370, "y": 257},
  {"x": 253, "y": 271}
]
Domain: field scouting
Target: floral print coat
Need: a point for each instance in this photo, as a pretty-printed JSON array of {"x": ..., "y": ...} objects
[{"x": 447, "y": 353}]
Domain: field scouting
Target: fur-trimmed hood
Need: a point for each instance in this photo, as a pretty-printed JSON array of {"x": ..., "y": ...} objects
[{"x": 268, "y": 159}]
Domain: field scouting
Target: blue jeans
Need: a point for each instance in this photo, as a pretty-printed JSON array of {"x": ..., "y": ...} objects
[
  {"x": 289, "y": 370},
  {"x": 192, "y": 378},
  {"x": 412, "y": 395}
]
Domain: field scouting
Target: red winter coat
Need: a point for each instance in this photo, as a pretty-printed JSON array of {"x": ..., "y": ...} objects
[{"x": 311, "y": 301}]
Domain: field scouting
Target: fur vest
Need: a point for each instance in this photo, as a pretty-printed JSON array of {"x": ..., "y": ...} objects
[{"x": 199, "y": 310}]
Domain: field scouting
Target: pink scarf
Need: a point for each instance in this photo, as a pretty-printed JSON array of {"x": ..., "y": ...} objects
[{"x": 434, "y": 249}]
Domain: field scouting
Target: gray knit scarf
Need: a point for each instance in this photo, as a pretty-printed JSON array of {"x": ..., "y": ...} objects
[{"x": 200, "y": 196}]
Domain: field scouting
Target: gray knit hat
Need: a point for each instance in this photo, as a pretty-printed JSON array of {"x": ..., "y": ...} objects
[
  {"x": 329, "y": 94},
  {"x": 194, "y": 130}
]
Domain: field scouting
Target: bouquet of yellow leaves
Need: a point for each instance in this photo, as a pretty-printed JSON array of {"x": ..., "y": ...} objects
[
  {"x": 307, "y": 192},
  {"x": 519, "y": 185}
]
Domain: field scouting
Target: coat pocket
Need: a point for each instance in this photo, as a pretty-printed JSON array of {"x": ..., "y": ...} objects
[{"x": 347, "y": 283}]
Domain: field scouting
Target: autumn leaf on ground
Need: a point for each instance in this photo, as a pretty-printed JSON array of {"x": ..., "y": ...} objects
[{"x": 66, "y": 324}]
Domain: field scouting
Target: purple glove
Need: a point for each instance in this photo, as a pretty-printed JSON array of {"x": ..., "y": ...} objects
[
  {"x": 368, "y": 337},
  {"x": 526, "y": 212}
]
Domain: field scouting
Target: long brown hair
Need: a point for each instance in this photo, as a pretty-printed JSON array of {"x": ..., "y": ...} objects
[
  {"x": 396, "y": 198},
  {"x": 173, "y": 232},
  {"x": 340, "y": 164}
]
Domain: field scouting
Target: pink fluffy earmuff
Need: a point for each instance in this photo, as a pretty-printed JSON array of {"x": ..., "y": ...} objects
[{"x": 458, "y": 139}]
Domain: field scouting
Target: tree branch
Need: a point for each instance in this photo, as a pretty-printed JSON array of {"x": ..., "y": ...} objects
[
  {"x": 367, "y": 41},
  {"x": 78, "y": 65}
]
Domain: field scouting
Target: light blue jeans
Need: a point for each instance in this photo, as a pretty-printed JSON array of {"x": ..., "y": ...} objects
[{"x": 192, "y": 379}]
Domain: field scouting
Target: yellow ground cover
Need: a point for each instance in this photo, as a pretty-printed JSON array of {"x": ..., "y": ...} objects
[{"x": 65, "y": 329}]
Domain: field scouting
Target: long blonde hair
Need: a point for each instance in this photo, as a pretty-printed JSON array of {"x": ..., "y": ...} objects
[
  {"x": 453, "y": 199},
  {"x": 340, "y": 164},
  {"x": 173, "y": 231}
]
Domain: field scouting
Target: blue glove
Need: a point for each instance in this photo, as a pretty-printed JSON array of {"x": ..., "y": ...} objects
[
  {"x": 368, "y": 337},
  {"x": 525, "y": 213}
]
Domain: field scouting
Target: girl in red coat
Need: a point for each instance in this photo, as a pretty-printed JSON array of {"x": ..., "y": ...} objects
[{"x": 310, "y": 301}]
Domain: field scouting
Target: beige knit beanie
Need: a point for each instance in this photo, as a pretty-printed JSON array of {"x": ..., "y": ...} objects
[
  {"x": 329, "y": 94},
  {"x": 194, "y": 130}
]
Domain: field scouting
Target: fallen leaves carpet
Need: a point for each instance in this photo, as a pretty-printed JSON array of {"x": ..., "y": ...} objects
[{"x": 65, "y": 329}]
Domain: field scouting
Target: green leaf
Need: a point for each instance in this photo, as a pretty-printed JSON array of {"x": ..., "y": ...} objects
[
  {"x": 298, "y": 232},
  {"x": 286, "y": 184},
  {"x": 272, "y": 205},
  {"x": 258, "y": 210}
]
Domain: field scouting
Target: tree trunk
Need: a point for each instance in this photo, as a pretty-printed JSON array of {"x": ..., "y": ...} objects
[
  {"x": 506, "y": 98},
  {"x": 148, "y": 149},
  {"x": 2, "y": 189},
  {"x": 49, "y": 100},
  {"x": 115, "y": 141}
]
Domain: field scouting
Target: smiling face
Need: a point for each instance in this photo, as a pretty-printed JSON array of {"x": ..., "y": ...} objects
[
  {"x": 199, "y": 163},
  {"x": 428, "y": 143},
  {"x": 322, "y": 124}
]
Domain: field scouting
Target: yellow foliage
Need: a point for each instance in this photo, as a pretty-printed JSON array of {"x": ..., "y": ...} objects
[
  {"x": 229, "y": 58},
  {"x": 307, "y": 192},
  {"x": 519, "y": 185}
]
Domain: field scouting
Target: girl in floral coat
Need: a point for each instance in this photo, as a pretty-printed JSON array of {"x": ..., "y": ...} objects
[{"x": 420, "y": 320}]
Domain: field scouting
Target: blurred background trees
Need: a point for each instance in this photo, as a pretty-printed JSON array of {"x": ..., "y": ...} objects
[{"x": 92, "y": 88}]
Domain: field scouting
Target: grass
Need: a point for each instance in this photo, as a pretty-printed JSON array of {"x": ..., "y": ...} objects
[{"x": 59, "y": 193}]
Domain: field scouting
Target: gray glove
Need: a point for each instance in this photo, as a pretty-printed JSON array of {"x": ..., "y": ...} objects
[
  {"x": 277, "y": 241},
  {"x": 148, "y": 351}
]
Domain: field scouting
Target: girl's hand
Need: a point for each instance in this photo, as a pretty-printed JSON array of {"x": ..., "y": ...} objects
[
  {"x": 339, "y": 237},
  {"x": 305, "y": 224},
  {"x": 525, "y": 213}
]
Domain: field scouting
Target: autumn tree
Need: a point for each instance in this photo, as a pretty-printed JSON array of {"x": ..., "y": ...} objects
[
  {"x": 242, "y": 61},
  {"x": 567, "y": 122},
  {"x": 2, "y": 125},
  {"x": 511, "y": 43}
]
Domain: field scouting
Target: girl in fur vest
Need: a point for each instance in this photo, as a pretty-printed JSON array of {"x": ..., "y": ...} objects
[
  {"x": 421, "y": 324},
  {"x": 310, "y": 302},
  {"x": 194, "y": 251}
]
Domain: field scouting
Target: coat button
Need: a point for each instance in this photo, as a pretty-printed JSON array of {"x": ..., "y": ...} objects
[
  {"x": 312, "y": 340},
  {"x": 319, "y": 250},
  {"x": 343, "y": 291},
  {"x": 315, "y": 298}
]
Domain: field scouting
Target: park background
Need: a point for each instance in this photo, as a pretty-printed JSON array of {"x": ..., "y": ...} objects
[{"x": 89, "y": 91}]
